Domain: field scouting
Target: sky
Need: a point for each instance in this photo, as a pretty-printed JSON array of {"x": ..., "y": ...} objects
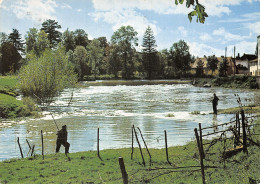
[{"x": 230, "y": 22}]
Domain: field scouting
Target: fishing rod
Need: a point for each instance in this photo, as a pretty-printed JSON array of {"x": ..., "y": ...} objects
[{"x": 47, "y": 108}]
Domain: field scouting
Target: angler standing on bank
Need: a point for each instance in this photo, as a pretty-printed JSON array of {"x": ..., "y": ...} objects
[{"x": 62, "y": 137}]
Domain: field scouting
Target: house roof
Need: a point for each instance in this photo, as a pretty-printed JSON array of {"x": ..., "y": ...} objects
[
  {"x": 252, "y": 61},
  {"x": 249, "y": 57}
]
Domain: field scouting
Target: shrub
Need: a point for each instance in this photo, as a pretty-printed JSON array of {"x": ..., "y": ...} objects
[{"x": 47, "y": 75}]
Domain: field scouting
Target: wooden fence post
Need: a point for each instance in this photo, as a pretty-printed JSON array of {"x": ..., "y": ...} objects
[
  {"x": 21, "y": 151},
  {"x": 166, "y": 147},
  {"x": 123, "y": 171},
  {"x": 144, "y": 143},
  {"x": 244, "y": 131},
  {"x": 98, "y": 143},
  {"x": 201, "y": 158},
  {"x": 29, "y": 147},
  {"x": 139, "y": 147},
  {"x": 42, "y": 146},
  {"x": 201, "y": 143},
  {"x": 32, "y": 150},
  {"x": 132, "y": 143}
]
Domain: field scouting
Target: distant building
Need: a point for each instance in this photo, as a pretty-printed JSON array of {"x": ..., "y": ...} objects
[
  {"x": 206, "y": 71},
  {"x": 243, "y": 63}
]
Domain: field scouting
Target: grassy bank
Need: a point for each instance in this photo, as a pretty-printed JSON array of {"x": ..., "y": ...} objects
[
  {"x": 86, "y": 167},
  {"x": 245, "y": 82},
  {"x": 10, "y": 107}
]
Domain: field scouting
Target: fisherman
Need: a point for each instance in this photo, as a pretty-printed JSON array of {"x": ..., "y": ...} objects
[
  {"x": 215, "y": 103},
  {"x": 62, "y": 137}
]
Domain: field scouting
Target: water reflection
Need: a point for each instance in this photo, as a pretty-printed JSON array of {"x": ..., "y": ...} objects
[{"x": 114, "y": 109}]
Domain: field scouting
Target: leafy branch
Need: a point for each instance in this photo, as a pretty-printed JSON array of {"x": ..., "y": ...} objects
[{"x": 199, "y": 10}]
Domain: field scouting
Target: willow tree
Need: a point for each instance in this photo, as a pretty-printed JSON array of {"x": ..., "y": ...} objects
[
  {"x": 95, "y": 55},
  {"x": 46, "y": 76}
]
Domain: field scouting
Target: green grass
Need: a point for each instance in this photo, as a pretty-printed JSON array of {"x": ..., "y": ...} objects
[
  {"x": 247, "y": 109},
  {"x": 10, "y": 107},
  {"x": 8, "y": 81},
  {"x": 86, "y": 167}
]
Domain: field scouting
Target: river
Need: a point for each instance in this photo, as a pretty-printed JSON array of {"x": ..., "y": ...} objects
[{"x": 114, "y": 109}]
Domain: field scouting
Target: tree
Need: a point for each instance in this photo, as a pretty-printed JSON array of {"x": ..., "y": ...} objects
[
  {"x": 80, "y": 60},
  {"x": 199, "y": 10},
  {"x": 104, "y": 63},
  {"x": 95, "y": 55},
  {"x": 3, "y": 38},
  {"x": 36, "y": 41},
  {"x": 126, "y": 37},
  {"x": 199, "y": 68},
  {"x": 10, "y": 58},
  {"x": 114, "y": 60},
  {"x": 51, "y": 28},
  {"x": 150, "y": 59},
  {"x": 223, "y": 68},
  {"x": 180, "y": 58},
  {"x": 47, "y": 75},
  {"x": 81, "y": 37},
  {"x": 16, "y": 39},
  {"x": 212, "y": 63},
  {"x": 68, "y": 40}
]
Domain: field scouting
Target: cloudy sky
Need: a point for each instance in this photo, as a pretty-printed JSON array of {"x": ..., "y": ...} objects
[{"x": 230, "y": 22}]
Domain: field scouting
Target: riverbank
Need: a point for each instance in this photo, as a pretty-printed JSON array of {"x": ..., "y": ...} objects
[
  {"x": 243, "y": 81},
  {"x": 10, "y": 106},
  {"x": 87, "y": 167}
]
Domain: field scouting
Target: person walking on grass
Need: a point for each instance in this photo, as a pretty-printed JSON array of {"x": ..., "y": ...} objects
[
  {"x": 62, "y": 137},
  {"x": 215, "y": 103}
]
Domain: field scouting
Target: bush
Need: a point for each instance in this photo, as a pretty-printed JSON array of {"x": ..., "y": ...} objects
[{"x": 47, "y": 75}]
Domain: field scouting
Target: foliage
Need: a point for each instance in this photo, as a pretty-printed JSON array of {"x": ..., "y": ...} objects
[
  {"x": 47, "y": 75},
  {"x": 126, "y": 37},
  {"x": 36, "y": 41},
  {"x": 81, "y": 37},
  {"x": 95, "y": 55},
  {"x": 199, "y": 68},
  {"x": 212, "y": 63},
  {"x": 199, "y": 10},
  {"x": 180, "y": 58},
  {"x": 223, "y": 68},
  {"x": 50, "y": 27},
  {"x": 150, "y": 57},
  {"x": 10, "y": 58},
  {"x": 16, "y": 39},
  {"x": 80, "y": 61},
  {"x": 114, "y": 63},
  {"x": 68, "y": 40}
]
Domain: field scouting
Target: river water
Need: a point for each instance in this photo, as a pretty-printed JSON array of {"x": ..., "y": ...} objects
[{"x": 114, "y": 109}]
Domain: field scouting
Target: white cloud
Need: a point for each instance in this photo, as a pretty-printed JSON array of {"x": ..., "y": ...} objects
[
  {"x": 37, "y": 10},
  {"x": 64, "y": 5},
  {"x": 254, "y": 27},
  {"x": 182, "y": 31},
  {"x": 159, "y": 6},
  {"x": 124, "y": 18},
  {"x": 79, "y": 10},
  {"x": 205, "y": 37},
  {"x": 229, "y": 36},
  {"x": 201, "y": 49},
  {"x": 245, "y": 47}
]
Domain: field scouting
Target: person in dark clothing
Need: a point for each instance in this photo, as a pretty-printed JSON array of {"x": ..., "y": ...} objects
[
  {"x": 62, "y": 137},
  {"x": 215, "y": 103}
]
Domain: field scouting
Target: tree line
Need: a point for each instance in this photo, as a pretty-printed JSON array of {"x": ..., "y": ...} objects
[{"x": 118, "y": 57}]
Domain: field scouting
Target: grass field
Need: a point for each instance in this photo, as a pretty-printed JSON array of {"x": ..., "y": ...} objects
[{"x": 86, "y": 167}]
